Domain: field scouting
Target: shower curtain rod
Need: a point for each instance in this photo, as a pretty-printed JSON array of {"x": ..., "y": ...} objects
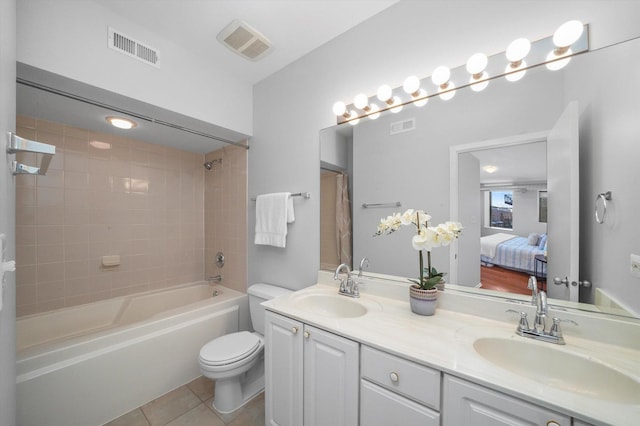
[{"x": 127, "y": 112}]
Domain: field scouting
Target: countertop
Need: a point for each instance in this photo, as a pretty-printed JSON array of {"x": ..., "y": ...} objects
[{"x": 444, "y": 341}]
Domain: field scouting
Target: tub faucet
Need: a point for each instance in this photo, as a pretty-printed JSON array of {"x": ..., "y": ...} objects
[
  {"x": 348, "y": 287},
  {"x": 214, "y": 279}
]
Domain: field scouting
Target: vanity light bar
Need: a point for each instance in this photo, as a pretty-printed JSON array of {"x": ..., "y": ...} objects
[{"x": 570, "y": 39}]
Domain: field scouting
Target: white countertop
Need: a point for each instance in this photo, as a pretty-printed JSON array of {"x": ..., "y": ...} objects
[{"x": 445, "y": 342}]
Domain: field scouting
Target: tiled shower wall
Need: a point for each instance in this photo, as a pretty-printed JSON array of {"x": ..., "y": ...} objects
[
  {"x": 107, "y": 195},
  {"x": 226, "y": 216}
]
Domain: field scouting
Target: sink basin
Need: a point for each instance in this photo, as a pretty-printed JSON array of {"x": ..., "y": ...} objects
[
  {"x": 331, "y": 305},
  {"x": 559, "y": 369}
]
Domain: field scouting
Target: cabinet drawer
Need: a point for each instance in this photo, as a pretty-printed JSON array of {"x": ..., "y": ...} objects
[
  {"x": 380, "y": 407},
  {"x": 407, "y": 378}
]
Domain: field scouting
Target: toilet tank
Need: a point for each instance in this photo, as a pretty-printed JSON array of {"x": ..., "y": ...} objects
[{"x": 258, "y": 293}]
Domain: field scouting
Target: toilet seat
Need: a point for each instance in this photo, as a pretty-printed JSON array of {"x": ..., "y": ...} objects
[{"x": 230, "y": 349}]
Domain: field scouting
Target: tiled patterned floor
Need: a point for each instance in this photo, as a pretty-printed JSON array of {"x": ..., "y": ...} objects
[{"x": 190, "y": 405}]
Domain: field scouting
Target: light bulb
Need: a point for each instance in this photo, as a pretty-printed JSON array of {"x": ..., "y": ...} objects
[
  {"x": 398, "y": 105},
  {"x": 411, "y": 85},
  {"x": 477, "y": 63},
  {"x": 121, "y": 123},
  {"x": 339, "y": 108},
  {"x": 515, "y": 73},
  {"x": 518, "y": 49},
  {"x": 568, "y": 33},
  {"x": 440, "y": 75},
  {"x": 450, "y": 92},
  {"x": 421, "y": 99},
  {"x": 353, "y": 117},
  {"x": 361, "y": 101},
  {"x": 374, "y": 111},
  {"x": 384, "y": 93},
  {"x": 478, "y": 84},
  {"x": 560, "y": 63}
]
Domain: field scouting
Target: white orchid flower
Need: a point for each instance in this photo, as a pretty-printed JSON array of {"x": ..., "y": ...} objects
[
  {"x": 455, "y": 227},
  {"x": 408, "y": 217},
  {"x": 445, "y": 236}
]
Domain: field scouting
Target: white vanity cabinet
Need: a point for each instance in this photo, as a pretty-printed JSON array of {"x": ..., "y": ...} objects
[
  {"x": 311, "y": 375},
  {"x": 394, "y": 390},
  {"x": 469, "y": 404}
]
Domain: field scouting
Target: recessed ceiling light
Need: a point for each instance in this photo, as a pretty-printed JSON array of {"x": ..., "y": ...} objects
[
  {"x": 121, "y": 123},
  {"x": 490, "y": 169}
]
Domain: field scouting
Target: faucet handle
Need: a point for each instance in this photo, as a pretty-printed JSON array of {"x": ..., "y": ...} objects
[
  {"x": 555, "y": 328},
  {"x": 523, "y": 325}
]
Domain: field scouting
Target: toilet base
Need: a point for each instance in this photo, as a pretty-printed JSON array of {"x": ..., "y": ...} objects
[{"x": 232, "y": 394}]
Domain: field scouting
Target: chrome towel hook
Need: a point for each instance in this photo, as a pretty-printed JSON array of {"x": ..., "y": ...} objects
[{"x": 605, "y": 196}]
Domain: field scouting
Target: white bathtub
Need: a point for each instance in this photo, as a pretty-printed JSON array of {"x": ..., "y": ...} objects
[{"x": 89, "y": 364}]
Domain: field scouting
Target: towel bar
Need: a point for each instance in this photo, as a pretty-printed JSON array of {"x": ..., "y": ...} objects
[{"x": 305, "y": 195}]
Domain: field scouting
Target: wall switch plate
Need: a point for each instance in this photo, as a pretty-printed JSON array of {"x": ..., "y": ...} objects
[{"x": 634, "y": 265}]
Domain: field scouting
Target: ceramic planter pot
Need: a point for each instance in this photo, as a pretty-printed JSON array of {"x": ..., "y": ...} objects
[{"x": 423, "y": 302}]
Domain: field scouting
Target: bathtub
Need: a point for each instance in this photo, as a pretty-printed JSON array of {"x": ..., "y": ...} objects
[{"x": 89, "y": 364}]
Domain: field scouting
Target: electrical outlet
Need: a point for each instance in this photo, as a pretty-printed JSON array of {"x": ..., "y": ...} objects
[{"x": 634, "y": 265}]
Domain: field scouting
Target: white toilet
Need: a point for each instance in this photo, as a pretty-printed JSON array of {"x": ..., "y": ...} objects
[{"x": 236, "y": 361}]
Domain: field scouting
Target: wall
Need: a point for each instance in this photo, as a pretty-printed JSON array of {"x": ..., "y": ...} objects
[
  {"x": 141, "y": 201},
  {"x": 69, "y": 37},
  {"x": 389, "y": 46},
  {"x": 225, "y": 207},
  {"x": 7, "y": 214}
]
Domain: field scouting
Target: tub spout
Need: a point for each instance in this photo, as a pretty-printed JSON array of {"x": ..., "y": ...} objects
[{"x": 215, "y": 279}]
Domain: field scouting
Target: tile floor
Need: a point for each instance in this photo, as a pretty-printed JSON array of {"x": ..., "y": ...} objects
[{"x": 190, "y": 405}]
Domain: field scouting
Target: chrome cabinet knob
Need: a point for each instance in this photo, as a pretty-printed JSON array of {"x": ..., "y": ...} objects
[
  {"x": 552, "y": 423},
  {"x": 394, "y": 377},
  {"x": 294, "y": 330},
  {"x": 306, "y": 334}
]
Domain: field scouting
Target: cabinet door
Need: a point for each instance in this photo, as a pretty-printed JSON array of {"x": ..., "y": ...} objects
[
  {"x": 468, "y": 404},
  {"x": 331, "y": 376},
  {"x": 380, "y": 407},
  {"x": 283, "y": 370}
]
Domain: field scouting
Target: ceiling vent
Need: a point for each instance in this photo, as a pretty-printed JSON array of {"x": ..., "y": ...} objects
[
  {"x": 133, "y": 48},
  {"x": 245, "y": 41}
]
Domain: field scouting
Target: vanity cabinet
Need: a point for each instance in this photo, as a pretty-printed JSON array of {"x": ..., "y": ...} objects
[
  {"x": 311, "y": 375},
  {"x": 393, "y": 389},
  {"x": 469, "y": 404}
]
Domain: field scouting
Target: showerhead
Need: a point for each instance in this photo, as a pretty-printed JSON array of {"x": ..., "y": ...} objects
[{"x": 209, "y": 164}]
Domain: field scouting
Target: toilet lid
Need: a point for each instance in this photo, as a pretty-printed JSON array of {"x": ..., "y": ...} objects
[{"x": 229, "y": 348}]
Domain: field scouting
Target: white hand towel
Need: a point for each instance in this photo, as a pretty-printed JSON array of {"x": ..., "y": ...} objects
[{"x": 273, "y": 212}]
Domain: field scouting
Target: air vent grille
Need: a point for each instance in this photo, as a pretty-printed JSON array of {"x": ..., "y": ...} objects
[
  {"x": 244, "y": 40},
  {"x": 402, "y": 126},
  {"x": 133, "y": 48}
]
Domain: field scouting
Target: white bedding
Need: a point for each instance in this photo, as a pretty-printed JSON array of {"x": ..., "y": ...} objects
[{"x": 489, "y": 243}]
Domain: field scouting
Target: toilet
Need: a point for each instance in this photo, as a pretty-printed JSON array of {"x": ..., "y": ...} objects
[{"x": 236, "y": 361}]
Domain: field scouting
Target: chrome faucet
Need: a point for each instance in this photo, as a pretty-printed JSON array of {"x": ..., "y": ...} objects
[
  {"x": 532, "y": 285},
  {"x": 538, "y": 331},
  {"x": 364, "y": 262},
  {"x": 348, "y": 287},
  {"x": 541, "y": 312}
]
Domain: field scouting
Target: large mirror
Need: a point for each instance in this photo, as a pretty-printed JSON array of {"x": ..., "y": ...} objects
[{"x": 432, "y": 158}]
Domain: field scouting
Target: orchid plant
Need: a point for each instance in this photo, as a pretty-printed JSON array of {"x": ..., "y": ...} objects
[{"x": 426, "y": 238}]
